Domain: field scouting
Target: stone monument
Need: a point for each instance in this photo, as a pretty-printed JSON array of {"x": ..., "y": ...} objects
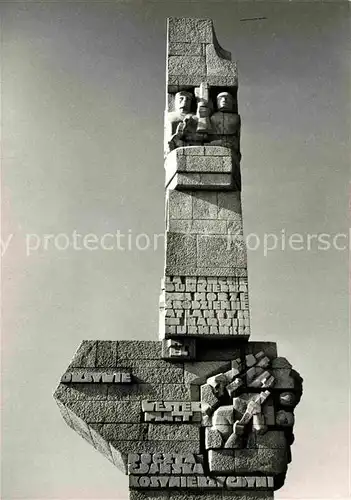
[{"x": 203, "y": 412}]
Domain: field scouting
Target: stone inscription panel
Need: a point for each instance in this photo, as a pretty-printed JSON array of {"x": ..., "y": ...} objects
[
  {"x": 172, "y": 411},
  {"x": 96, "y": 377},
  {"x": 206, "y": 306},
  {"x": 165, "y": 463},
  {"x": 201, "y": 482}
]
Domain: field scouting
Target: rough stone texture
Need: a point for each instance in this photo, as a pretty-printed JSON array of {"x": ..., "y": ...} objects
[
  {"x": 216, "y": 67},
  {"x": 169, "y": 446},
  {"x": 263, "y": 460},
  {"x": 213, "y": 164},
  {"x": 137, "y": 391},
  {"x": 139, "y": 349},
  {"x": 190, "y": 30},
  {"x": 187, "y": 65},
  {"x": 213, "y": 439},
  {"x": 205, "y": 271},
  {"x": 224, "y": 251},
  {"x": 183, "y": 49},
  {"x": 178, "y": 392},
  {"x": 208, "y": 396},
  {"x": 181, "y": 162},
  {"x": 107, "y": 411},
  {"x": 155, "y": 371},
  {"x": 205, "y": 205},
  {"x": 180, "y": 204},
  {"x": 221, "y": 462},
  {"x": 271, "y": 439},
  {"x": 106, "y": 354},
  {"x": 208, "y": 226},
  {"x": 183, "y": 432},
  {"x": 180, "y": 249},
  {"x": 124, "y": 432},
  {"x": 201, "y": 181}
]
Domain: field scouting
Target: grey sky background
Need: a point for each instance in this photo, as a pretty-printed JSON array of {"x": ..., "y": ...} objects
[{"x": 83, "y": 99}]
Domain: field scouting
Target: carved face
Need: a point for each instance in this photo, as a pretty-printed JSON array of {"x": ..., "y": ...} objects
[
  {"x": 225, "y": 101},
  {"x": 183, "y": 101}
]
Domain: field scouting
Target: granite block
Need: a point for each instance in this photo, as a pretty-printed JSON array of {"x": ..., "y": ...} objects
[
  {"x": 179, "y": 204},
  {"x": 213, "y": 439},
  {"x": 205, "y": 205},
  {"x": 156, "y": 371},
  {"x": 206, "y": 164},
  {"x": 187, "y": 65},
  {"x": 183, "y": 49},
  {"x": 201, "y": 181},
  {"x": 139, "y": 349},
  {"x": 221, "y": 461},
  {"x": 192, "y": 151},
  {"x": 181, "y": 432},
  {"x": 208, "y": 226},
  {"x": 180, "y": 249},
  {"x": 106, "y": 354},
  {"x": 221, "y": 250},
  {"x": 271, "y": 439},
  {"x": 208, "y": 396},
  {"x": 124, "y": 432},
  {"x": 217, "y": 151},
  {"x": 107, "y": 411},
  {"x": 190, "y": 30},
  {"x": 135, "y": 392},
  {"x": 162, "y": 446},
  {"x": 263, "y": 460},
  {"x": 178, "y": 392}
]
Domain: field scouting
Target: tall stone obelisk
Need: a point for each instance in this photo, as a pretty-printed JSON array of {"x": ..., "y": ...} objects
[{"x": 203, "y": 412}]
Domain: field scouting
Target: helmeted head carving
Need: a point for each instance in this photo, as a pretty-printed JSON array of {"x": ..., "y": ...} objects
[
  {"x": 225, "y": 102},
  {"x": 183, "y": 101}
]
